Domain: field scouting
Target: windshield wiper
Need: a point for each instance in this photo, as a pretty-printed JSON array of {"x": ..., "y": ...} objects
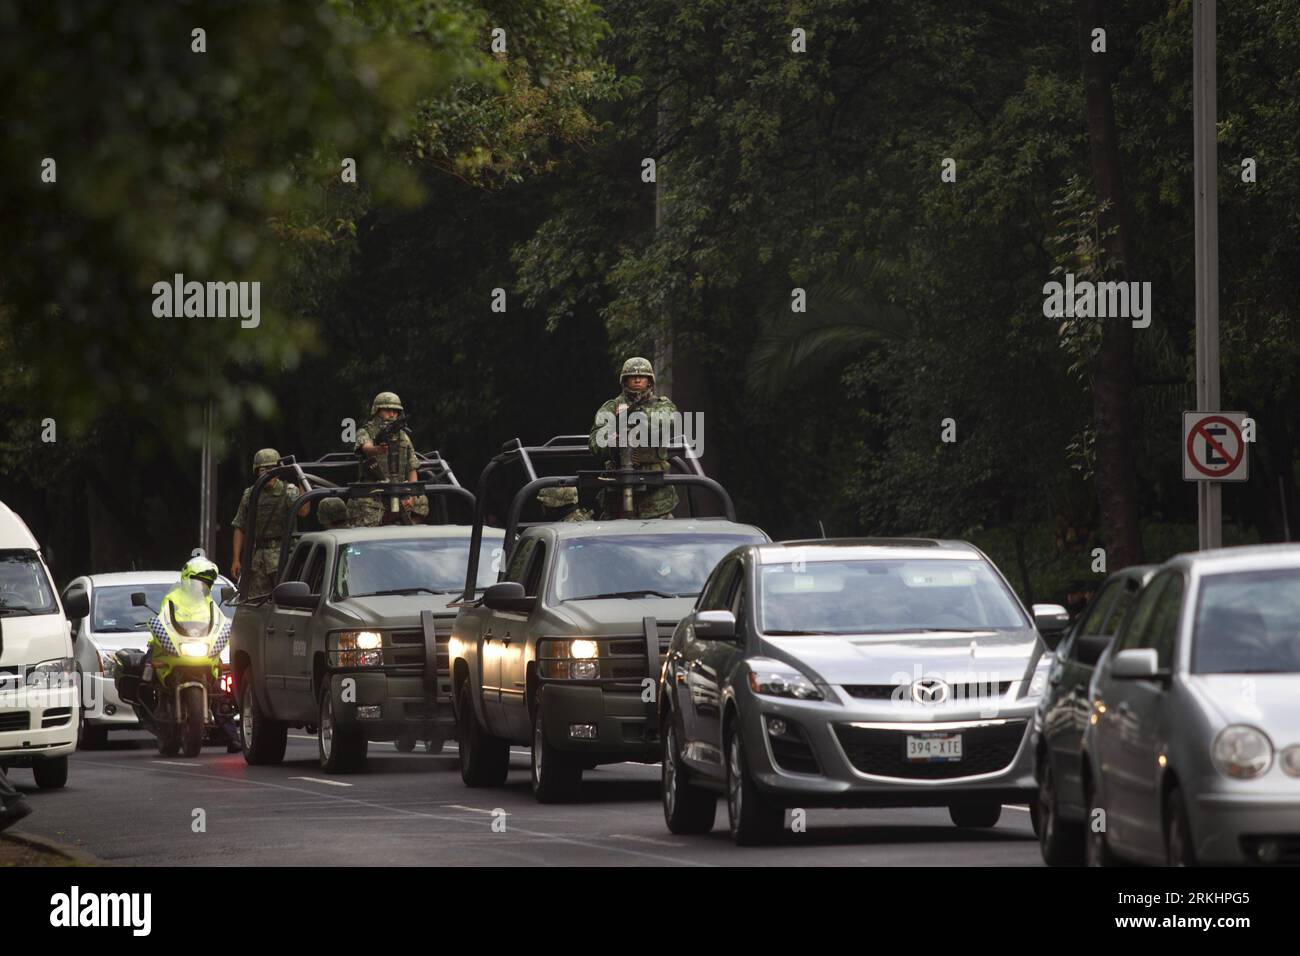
[
  {"x": 17, "y": 609},
  {"x": 400, "y": 591},
  {"x": 624, "y": 594},
  {"x": 796, "y": 633}
]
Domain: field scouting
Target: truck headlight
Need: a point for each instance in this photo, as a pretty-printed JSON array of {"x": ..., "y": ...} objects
[
  {"x": 774, "y": 679},
  {"x": 569, "y": 659},
  {"x": 1242, "y": 752},
  {"x": 360, "y": 649}
]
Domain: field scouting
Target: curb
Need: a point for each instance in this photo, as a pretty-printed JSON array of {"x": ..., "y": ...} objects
[{"x": 73, "y": 855}]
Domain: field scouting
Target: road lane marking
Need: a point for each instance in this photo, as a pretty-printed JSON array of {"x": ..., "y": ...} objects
[
  {"x": 301, "y": 737},
  {"x": 332, "y": 783},
  {"x": 555, "y": 837},
  {"x": 1012, "y": 806},
  {"x": 458, "y": 806},
  {"x": 644, "y": 839},
  {"x": 174, "y": 763}
]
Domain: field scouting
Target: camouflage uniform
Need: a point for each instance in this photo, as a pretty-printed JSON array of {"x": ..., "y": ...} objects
[
  {"x": 273, "y": 502},
  {"x": 561, "y": 504},
  {"x": 370, "y": 512},
  {"x": 649, "y": 503}
]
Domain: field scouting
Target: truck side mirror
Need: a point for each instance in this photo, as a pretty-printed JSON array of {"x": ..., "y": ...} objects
[
  {"x": 294, "y": 594},
  {"x": 76, "y": 606},
  {"x": 508, "y": 596},
  {"x": 138, "y": 599}
]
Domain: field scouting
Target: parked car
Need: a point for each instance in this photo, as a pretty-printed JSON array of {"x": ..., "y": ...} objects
[
  {"x": 111, "y": 624},
  {"x": 39, "y": 697},
  {"x": 1192, "y": 749},
  {"x": 862, "y": 672},
  {"x": 1062, "y": 715}
]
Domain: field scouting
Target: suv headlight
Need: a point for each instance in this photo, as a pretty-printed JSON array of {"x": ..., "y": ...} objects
[
  {"x": 1038, "y": 680},
  {"x": 1242, "y": 752},
  {"x": 360, "y": 649},
  {"x": 774, "y": 679},
  {"x": 569, "y": 659},
  {"x": 109, "y": 665}
]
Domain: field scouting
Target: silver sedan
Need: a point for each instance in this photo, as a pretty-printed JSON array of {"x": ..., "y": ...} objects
[{"x": 1192, "y": 751}]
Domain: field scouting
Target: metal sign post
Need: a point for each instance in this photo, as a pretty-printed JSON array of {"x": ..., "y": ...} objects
[{"x": 1209, "y": 501}]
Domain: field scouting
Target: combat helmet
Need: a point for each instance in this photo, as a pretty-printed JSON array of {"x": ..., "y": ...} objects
[
  {"x": 332, "y": 512},
  {"x": 387, "y": 400},
  {"x": 266, "y": 458},
  {"x": 637, "y": 366}
]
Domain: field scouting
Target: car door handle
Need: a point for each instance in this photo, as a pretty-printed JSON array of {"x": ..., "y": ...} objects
[
  {"x": 289, "y": 630},
  {"x": 487, "y": 632},
  {"x": 270, "y": 628},
  {"x": 506, "y": 639}
]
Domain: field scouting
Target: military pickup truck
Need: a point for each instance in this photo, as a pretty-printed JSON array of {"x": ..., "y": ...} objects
[
  {"x": 351, "y": 642},
  {"x": 565, "y": 651}
]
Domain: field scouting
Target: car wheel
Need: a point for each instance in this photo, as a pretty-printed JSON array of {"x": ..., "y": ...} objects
[
  {"x": 1179, "y": 848},
  {"x": 50, "y": 774},
  {"x": 263, "y": 740},
  {"x": 484, "y": 759},
  {"x": 1060, "y": 841},
  {"x": 342, "y": 749},
  {"x": 753, "y": 817},
  {"x": 687, "y": 808},
  {"x": 434, "y": 746},
  {"x": 980, "y": 814},
  {"x": 404, "y": 744},
  {"x": 556, "y": 775},
  {"x": 1096, "y": 851}
]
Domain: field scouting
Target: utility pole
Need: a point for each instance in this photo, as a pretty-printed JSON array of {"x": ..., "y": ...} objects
[
  {"x": 208, "y": 489},
  {"x": 1209, "y": 495}
]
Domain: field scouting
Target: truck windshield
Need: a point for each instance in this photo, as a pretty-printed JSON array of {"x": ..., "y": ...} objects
[
  {"x": 411, "y": 566},
  {"x": 639, "y": 565},
  {"x": 1248, "y": 622},
  {"x": 884, "y": 596},
  {"x": 24, "y": 585}
]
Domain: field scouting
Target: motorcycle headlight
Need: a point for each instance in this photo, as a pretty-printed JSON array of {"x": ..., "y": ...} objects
[
  {"x": 774, "y": 679},
  {"x": 1242, "y": 752},
  {"x": 194, "y": 648}
]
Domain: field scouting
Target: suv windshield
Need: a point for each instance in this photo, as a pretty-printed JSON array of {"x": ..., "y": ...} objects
[
  {"x": 24, "y": 585},
  {"x": 410, "y": 566},
  {"x": 1248, "y": 622},
  {"x": 639, "y": 565},
  {"x": 884, "y": 596}
]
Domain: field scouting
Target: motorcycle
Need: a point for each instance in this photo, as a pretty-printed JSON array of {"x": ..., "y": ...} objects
[{"x": 173, "y": 697}]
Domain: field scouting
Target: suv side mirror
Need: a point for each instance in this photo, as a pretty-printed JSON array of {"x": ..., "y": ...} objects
[
  {"x": 294, "y": 594},
  {"x": 715, "y": 625},
  {"x": 138, "y": 599},
  {"x": 508, "y": 596},
  {"x": 1136, "y": 664},
  {"x": 1052, "y": 622},
  {"x": 76, "y": 606}
]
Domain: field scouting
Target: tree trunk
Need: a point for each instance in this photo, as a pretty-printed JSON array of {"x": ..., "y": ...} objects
[{"x": 1113, "y": 371}]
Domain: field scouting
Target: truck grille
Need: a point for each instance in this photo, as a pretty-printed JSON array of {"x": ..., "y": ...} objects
[{"x": 882, "y": 752}]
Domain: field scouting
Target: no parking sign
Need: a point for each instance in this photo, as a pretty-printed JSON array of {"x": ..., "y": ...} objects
[{"x": 1213, "y": 447}]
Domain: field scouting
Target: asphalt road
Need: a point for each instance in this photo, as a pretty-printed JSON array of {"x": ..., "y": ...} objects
[{"x": 129, "y": 806}]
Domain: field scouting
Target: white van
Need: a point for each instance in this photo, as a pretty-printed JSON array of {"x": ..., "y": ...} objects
[{"x": 40, "y": 701}]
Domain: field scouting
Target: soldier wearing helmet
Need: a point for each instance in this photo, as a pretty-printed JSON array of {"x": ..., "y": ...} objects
[
  {"x": 637, "y": 402},
  {"x": 332, "y": 513},
  {"x": 372, "y": 450},
  {"x": 273, "y": 503}
]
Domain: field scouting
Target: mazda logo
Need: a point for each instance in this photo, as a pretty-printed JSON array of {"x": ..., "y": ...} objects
[{"x": 929, "y": 690}]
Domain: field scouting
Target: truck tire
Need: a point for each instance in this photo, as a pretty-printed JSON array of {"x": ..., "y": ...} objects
[
  {"x": 556, "y": 775},
  {"x": 484, "y": 759},
  {"x": 50, "y": 774},
  {"x": 434, "y": 746},
  {"x": 341, "y": 749},
  {"x": 192, "y": 715},
  {"x": 405, "y": 744},
  {"x": 687, "y": 808},
  {"x": 263, "y": 740}
]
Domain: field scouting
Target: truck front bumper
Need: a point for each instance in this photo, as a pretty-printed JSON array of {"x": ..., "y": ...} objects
[
  {"x": 389, "y": 706},
  {"x": 603, "y": 726}
]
